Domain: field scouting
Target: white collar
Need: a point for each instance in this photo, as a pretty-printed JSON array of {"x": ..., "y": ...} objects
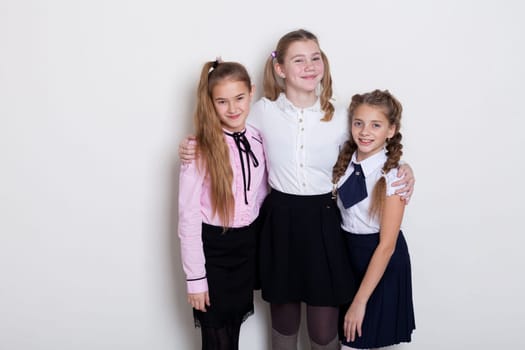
[
  {"x": 285, "y": 105},
  {"x": 370, "y": 164}
]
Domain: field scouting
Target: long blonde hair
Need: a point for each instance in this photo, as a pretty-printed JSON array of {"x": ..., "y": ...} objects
[
  {"x": 212, "y": 147},
  {"x": 392, "y": 110},
  {"x": 273, "y": 85}
]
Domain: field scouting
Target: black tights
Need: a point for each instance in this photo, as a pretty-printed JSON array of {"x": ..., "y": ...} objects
[
  {"x": 225, "y": 338},
  {"x": 321, "y": 321}
]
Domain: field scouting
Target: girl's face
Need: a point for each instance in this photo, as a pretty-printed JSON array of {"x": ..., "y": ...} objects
[
  {"x": 231, "y": 100},
  {"x": 303, "y": 66},
  {"x": 370, "y": 129}
]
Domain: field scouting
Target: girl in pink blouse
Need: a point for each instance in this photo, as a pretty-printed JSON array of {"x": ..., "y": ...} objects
[{"x": 220, "y": 195}]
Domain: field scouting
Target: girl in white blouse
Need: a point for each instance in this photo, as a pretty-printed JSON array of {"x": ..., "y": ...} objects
[
  {"x": 381, "y": 312},
  {"x": 303, "y": 256}
]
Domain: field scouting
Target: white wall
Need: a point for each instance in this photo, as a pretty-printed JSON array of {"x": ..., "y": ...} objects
[{"x": 96, "y": 95}]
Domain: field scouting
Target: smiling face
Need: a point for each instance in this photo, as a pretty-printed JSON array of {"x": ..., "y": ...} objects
[
  {"x": 370, "y": 129},
  {"x": 302, "y": 67},
  {"x": 231, "y": 100}
]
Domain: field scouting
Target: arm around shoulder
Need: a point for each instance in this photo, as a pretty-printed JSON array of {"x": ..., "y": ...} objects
[{"x": 405, "y": 180}]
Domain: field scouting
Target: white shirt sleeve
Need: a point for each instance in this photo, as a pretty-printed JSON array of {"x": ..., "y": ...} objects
[
  {"x": 390, "y": 178},
  {"x": 257, "y": 112}
]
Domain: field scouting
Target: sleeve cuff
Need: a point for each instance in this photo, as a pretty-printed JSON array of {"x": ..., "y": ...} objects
[{"x": 197, "y": 286}]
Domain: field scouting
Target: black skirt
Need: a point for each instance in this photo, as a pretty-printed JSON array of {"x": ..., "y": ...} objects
[
  {"x": 230, "y": 270},
  {"x": 389, "y": 317},
  {"x": 303, "y": 257}
]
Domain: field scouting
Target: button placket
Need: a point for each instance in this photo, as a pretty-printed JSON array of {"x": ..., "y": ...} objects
[{"x": 301, "y": 152}]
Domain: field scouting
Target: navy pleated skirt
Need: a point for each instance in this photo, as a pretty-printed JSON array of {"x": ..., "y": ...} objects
[
  {"x": 389, "y": 317},
  {"x": 230, "y": 270},
  {"x": 303, "y": 255}
]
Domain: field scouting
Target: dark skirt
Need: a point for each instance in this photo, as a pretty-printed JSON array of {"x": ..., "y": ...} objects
[
  {"x": 303, "y": 257},
  {"x": 389, "y": 317},
  {"x": 230, "y": 270}
]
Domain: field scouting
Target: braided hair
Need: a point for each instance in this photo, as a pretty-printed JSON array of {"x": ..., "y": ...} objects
[{"x": 392, "y": 109}]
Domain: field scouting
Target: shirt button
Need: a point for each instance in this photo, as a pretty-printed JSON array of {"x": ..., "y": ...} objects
[
  {"x": 302, "y": 146},
  {"x": 304, "y": 185},
  {"x": 302, "y": 129},
  {"x": 300, "y": 120},
  {"x": 301, "y": 165}
]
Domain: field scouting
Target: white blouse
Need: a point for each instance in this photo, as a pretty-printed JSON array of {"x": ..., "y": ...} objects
[
  {"x": 300, "y": 149},
  {"x": 356, "y": 219}
]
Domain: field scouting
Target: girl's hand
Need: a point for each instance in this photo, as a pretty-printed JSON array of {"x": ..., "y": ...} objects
[
  {"x": 188, "y": 149},
  {"x": 354, "y": 320},
  {"x": 406, "y": 180},
  {"x": 199, "y": 301}
]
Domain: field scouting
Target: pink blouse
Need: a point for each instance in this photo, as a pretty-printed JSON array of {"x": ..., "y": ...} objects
[{"x": 195, "y": 205}]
